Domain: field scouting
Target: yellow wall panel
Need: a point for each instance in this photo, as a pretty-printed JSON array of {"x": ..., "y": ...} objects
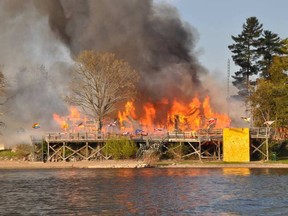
[{"x": 236, "y": 145}]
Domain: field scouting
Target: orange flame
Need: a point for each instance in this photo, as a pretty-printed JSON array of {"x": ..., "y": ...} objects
[
  {"x": 184, "y": 116},
  {"x": 223, "y": 120},
  {"x": 125, "y": 122},
  {"x": 165, "y": 115},
  {"x": 70, "y": 120},
  {"x": 148, "y": 119},
  {"x": 74, "y": 113},
  {"x": 63, "y": 124}
]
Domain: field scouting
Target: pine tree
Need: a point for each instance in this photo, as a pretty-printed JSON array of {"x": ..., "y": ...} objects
[
  {"x": 245, "y": 54},
  {"x": 270, "y": 45}
]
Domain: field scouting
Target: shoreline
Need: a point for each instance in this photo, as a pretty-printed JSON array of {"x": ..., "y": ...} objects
[{"x": 135, "y": 164}]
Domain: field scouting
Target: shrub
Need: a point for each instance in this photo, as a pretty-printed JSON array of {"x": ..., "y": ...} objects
[
  {"x": 7, "y": 154},
  {"x": 23, "y": 150},
  {"x": 120, "y": 148},
  {"x": 150, "y": 157}
]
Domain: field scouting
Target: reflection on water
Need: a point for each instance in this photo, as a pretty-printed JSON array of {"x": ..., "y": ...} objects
[
  {"x": 227, "y": 191},
  {"x": 236, "y": 171}
]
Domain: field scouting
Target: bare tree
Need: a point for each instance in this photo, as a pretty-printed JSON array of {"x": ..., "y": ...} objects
[{"x": 100, "y": 82}]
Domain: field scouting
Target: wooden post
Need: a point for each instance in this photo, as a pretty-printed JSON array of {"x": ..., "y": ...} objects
[
  {"x": 180, "y": 149},
  {"x": 219, "y": 150},
  {"x": 267, "y": 142},
  {"x": 42, "y": 150},
  {"x": 63, "y": 153},
  {"x": 86, "y": 151},
  {"x": 33, "y": 143},
  {"x": 48, "y": 151},
  {"x": 200, "y": 150}
]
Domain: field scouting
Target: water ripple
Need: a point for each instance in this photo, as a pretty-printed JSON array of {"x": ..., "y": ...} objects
[{"x": 144, "y": 192}]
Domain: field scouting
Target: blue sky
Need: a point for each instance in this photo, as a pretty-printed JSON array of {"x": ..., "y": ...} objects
[{"x": 217, "y": 20}]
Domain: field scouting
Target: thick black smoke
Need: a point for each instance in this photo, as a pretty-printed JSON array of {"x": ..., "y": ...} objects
[{"x": 152, "y": 38}]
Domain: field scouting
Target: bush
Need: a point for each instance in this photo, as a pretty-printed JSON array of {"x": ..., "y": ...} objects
[
  {"x": 150, "y": 157},
  {"x": 23, "y": 150},
  {"x": 7, "y": 154},
  {"x": 121, "y": 148}
]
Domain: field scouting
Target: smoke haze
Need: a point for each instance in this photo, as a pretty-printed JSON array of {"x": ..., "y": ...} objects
[{"x": 40, "y": 38}]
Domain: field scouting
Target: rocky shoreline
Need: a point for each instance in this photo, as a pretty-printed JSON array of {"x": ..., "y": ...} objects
[{"x": 134, "y": 164}]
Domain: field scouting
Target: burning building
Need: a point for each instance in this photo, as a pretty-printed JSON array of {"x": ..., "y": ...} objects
[
  {"x": 179, "y": 117},
  {"x": 150, "y": 36}
]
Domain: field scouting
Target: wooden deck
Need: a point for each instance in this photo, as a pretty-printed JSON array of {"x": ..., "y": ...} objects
[
  {"x": 194, "y": 136},
  {"x": 202, "y": 143}
]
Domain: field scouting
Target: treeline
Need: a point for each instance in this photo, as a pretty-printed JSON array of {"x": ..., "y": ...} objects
[{"x": 262, "y": 81}]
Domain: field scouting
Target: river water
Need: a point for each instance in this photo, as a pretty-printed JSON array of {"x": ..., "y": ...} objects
[{"x": 151, "y": 191}]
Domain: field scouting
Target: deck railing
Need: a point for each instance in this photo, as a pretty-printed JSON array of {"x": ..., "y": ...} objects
[
  {"x": 81, "y": 136},
  {"x": 90, "y": 136},
  {"x": 260, "y": 132}
]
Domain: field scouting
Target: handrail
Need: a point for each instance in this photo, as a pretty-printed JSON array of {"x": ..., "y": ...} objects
[
  {"x": 255, "y": 132},
  {"x": 74, "y": 136}
]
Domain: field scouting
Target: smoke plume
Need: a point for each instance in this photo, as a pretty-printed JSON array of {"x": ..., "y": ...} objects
[
  {"x": 152, "y": 38},
  {"x": 40, "y": 38}
]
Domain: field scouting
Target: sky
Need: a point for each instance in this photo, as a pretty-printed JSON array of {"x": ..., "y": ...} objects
[{"x": 217, "y": 20}]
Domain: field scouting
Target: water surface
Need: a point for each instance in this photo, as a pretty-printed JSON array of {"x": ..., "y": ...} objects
[{"x": 168, "y": 191}]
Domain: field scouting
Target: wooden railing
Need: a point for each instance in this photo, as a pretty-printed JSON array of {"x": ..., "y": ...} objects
[
  {"x": 182, "y": 135},
  {"x": 83, "y": 136},
  {"x": 260, "y": 132}
]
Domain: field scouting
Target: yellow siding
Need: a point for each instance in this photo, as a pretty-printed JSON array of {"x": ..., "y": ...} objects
[{"x": 236, "y": 145}]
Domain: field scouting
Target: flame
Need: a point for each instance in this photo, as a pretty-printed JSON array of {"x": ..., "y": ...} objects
[
  {"x": 180, "y": 116},
  {"x": 149, "y": 115},
  {"x": 73, "y": 121},
  {"x": 223, "y": 120},
  {"x": 163, "y": 116},
  {"x": 188, "y": 117},
  {"x": 74, "y": 113},
  {"x": 125, "y": 117},
  {"x": 63, "y": 124}
]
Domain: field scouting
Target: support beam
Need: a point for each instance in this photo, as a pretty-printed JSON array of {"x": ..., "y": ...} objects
[{"x": 257, "y": 149}]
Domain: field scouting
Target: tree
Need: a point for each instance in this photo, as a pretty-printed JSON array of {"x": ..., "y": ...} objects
[
  {"x": 270, "y": 46},
  {"x": 245, "y": 54},
  {"x": 100, "y": 82},
  {"x": 262, "y": 110},
  {"x": 270, "y": 99}
]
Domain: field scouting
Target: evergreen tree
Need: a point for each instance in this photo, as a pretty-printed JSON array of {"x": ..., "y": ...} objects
[
  {"x": 270, "y": 46},
  {"x": 245, "y": 54}
]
